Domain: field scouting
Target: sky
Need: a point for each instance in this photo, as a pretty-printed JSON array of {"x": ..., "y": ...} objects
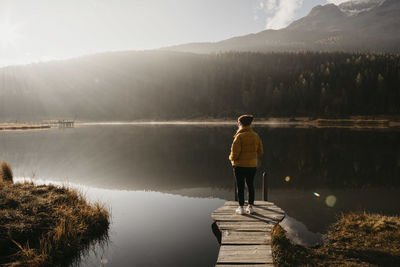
[{"x": 41, "y": 30}]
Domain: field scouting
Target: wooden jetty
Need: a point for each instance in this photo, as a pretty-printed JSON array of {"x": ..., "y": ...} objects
[
  {"x": 61, "y": 123},
  {"x": 246, "y": 239}
]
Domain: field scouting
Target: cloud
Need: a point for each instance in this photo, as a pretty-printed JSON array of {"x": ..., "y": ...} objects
[
  {"x": 337, "y": 2},
  {"x": 280, "y": 12}
]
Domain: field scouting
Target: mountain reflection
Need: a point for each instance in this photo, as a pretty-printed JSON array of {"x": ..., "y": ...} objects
[
  {"x": 330, "y": 170},
  {"x": 172, "y": 157}
]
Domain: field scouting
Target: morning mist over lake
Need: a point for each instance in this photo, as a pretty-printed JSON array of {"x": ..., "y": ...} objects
[{"x": 200, "y": 133}]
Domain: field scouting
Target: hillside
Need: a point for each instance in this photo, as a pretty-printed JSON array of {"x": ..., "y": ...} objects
[
  {"x": 171, "y": 85},
  {"x": 354, "y": 26}
]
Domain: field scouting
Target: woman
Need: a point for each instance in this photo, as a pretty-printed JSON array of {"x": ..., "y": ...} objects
[{"x": 245, "y": 150}]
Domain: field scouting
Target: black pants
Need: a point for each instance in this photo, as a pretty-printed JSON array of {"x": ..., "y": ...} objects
[{"x": 243, "y": 174}]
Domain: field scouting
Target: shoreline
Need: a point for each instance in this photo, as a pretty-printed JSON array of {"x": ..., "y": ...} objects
[
  {"x": 355, "y": 239},
  {"x": 46, "y": 225},
  {"x": 304, "y": 122},
  {"x": 378, "y": 122},
  {"x": 23, "y": 126}
]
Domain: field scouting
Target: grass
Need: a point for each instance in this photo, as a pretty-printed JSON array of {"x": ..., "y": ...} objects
[
  {"x": 23, "y": 126},
  {"x": 46, "y": 225},
  {"x": 6, "y": 173},
  {"x": 356, "y": 239}
]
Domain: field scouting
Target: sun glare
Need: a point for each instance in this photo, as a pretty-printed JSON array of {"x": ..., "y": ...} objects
[{"x": 8, "y": 34}]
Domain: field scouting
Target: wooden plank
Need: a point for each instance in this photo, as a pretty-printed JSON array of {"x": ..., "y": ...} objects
[
  {"x": 265, "y": 213},
  {"x": 256, "y": 203},
  {"x": 253, "y": 215},
  {"x": 257, "y": 209},
  {"x": 271, "y": 207},
  {"x": 247, "y": 217},
  {"x": 245, "y": 265},
  {"x": 245, "y": 254},
  {"x": 262, "y": 214},
  {"x": 245, "y": 226},
  {"x": 245, "y": 238}
]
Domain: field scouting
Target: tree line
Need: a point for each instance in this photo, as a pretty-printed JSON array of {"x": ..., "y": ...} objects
[{"x": 172, "y": 85}]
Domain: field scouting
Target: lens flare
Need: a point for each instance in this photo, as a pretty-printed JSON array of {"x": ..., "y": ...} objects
[
  {"x": 330, "y": 201},
  {"x": 316, "y": 194}
]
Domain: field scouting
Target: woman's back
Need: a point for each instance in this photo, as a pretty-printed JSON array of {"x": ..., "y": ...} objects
[{"x": 246, "y": 148}]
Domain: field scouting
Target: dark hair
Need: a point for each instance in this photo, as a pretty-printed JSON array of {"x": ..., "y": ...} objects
[{"x": 245, "y": 120}]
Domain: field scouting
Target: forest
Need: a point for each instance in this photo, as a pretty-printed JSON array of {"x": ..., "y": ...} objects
[{"x": 120, "y": 86}]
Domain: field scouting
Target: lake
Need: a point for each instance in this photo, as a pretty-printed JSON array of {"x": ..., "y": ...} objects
[{"x": 161, "y": 182}]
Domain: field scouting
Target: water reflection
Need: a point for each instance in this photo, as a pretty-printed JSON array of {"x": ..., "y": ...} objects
[
  {"x": 351, "y": 170},
  {"x": 152, "y": 229},
  {"x": 299, "y": 233},
  {"x": 156, "y": 229},
  {"x": 178, "y": 156}
]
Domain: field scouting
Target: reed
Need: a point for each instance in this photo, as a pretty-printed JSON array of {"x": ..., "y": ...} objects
[
  {"x": 46, "y": 225},
  {"x": 6, "y": 174}
]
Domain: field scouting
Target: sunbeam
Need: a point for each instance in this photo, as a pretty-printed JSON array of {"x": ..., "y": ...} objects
[{"x": 9, "y": 34}]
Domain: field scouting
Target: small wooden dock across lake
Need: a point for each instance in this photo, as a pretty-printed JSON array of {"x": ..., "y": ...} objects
[
  {"x": 246, "y": 239},
  {"x": 61, "y": 123}
]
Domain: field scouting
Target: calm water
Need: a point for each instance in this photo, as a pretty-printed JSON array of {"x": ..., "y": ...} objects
[{"x": 162, "y": 182}]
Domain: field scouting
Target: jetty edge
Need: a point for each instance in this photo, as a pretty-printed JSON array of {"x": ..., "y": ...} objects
[{"x": 246, "y": 239}]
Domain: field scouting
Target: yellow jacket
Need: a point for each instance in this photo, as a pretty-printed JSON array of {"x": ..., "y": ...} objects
[{"x": 246, "y": 148}]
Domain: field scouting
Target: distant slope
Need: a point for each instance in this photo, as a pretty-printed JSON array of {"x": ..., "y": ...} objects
[
  {"x": 163, "y": 85},
  {"x": 358, "y": 25}
]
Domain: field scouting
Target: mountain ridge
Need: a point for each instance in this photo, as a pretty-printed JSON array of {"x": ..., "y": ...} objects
[{"x": 325, "y": 28}]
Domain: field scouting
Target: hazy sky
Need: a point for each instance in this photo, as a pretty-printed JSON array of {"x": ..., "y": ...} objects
[{"x": 37, "y": 30}]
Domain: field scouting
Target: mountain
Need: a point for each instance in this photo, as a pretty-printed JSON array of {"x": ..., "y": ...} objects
[
  {"x": 165, "y": 85},
  {"x": 356, "y": 7},
  {"x": 354, "y": 26}
]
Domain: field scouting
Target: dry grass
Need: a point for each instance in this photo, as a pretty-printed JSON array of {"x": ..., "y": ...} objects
[
  {"x": 6, "y": 174},
  {"x": 45, "y": 225},
  {"x": 356, "y": 239},
  {"x": 23, "y": 126}
]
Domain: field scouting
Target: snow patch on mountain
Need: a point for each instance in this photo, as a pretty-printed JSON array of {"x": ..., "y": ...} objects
[{"x": 355, "y": 7}]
